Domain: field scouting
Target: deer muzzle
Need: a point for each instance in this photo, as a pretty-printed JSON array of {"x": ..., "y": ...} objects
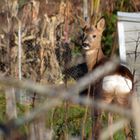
[{"x": 85, "y": 46}]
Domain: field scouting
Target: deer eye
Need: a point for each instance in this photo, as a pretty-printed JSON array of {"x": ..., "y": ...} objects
[{"x": 94, "y": 36}]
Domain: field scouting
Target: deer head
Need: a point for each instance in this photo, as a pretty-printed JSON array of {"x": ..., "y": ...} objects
[
  {"x": 92, "y": 43},
  {"x": 92, "y": 35}
]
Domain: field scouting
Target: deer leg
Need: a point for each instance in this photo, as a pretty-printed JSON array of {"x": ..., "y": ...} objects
[
  {"x": 110, "y": 122},
  {"x": 107, "y": 98},
  {"x": 128, "y": 132},
  {"x": 96, "y": 128},
  {"x": 123, "y": 101}
]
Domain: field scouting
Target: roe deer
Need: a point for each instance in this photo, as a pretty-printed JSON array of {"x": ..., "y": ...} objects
[{"x": 115, "y": 87}]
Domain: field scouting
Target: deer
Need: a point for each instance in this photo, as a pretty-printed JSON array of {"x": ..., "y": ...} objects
[{"x": 114, "y": 88}]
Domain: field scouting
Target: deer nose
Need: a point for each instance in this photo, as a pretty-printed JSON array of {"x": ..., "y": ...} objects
[{"x": 85, "y": 46}]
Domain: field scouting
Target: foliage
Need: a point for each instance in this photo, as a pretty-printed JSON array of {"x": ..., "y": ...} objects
[
  {"x": 109, "y": 33},
  {"x": 74, "y": 121}
]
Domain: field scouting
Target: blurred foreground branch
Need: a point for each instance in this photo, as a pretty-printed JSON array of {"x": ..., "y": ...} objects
[
  {"x": 61, "y": 93},
  {"x": 51, "y": 90}
]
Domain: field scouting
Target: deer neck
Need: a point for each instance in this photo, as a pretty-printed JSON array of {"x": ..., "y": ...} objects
[{"x": 93, "y": 57}]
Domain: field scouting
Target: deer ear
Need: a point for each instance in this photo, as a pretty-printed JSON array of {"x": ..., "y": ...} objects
[
  {"x": 85, "y": 27},
  {"x": 101, "y": 24}
]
